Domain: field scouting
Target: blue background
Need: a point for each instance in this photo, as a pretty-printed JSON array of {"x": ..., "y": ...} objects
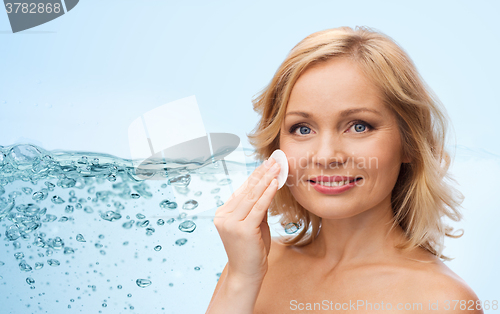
[{"x": 77, "y": 82}]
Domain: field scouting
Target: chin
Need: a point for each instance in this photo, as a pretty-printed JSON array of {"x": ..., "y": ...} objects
[
  {"x": 335, "y": 213},
  {"x": 328, "y": 209}
]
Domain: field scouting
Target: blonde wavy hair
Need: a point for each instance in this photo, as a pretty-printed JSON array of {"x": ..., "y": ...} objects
[{"x": 421, "y": 196}]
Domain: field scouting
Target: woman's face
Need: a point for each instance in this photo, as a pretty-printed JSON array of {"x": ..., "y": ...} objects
[{"x": 326, "y": 133}]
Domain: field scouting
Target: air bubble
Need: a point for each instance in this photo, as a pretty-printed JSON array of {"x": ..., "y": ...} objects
[
  {"x": 190, "y": 205},
  {"x": 181, "y": 242},
  {"x": 23, "y": 266},
  {"x": 80, "y": 238},
  {"x": 166, "y": 204},
  {"x": 143, "y": 283},
  {"x": 129, "y": 224},
  {"x": 53, "y": 262},
  {"x": 57, "y": 200},
  {"x": 291, "y": 228},
  {"x": 187, "y": 226}
]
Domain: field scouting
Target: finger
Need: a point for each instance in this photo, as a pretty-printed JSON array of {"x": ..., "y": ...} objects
[
  {"x": 258, "y": 173},
  {"x": 246, "y": 187},
  {"x": 251, "y": 197},
  {"x": 259, "y": 211}
]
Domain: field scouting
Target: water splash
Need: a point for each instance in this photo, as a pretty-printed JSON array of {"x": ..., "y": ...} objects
[{"x": 50, "y": 199}]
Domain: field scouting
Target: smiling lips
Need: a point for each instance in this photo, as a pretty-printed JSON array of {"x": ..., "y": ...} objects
[
  {"x": 334, "y": 179},
  {"x": 334, "y": 184}
]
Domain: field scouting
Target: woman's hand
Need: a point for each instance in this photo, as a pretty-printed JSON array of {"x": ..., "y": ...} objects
[{"x": 242, "y": 224}]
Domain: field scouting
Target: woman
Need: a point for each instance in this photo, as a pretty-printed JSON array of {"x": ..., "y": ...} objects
[{"x": 347, "y": 105}]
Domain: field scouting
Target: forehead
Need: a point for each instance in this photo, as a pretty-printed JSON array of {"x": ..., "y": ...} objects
[{"x": 333, "y": 86}]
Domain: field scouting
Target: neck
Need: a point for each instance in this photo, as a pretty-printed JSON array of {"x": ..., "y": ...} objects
[{"x": 362, "y": 238}]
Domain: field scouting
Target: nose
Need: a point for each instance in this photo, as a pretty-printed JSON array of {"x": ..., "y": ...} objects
[{"x": 329, "y": 153}]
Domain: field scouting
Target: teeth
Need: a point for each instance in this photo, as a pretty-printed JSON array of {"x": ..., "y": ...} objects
[{"x": 340, "y": 183}]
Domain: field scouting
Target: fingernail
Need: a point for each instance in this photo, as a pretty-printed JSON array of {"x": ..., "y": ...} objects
[{"x": 268, "y": 163}]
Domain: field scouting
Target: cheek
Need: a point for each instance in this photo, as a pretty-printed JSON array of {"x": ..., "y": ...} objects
[
  {"x": 381, "y": 160},
  {"x": 373, "y": 157},
  {"x": 385, "y": 147}
]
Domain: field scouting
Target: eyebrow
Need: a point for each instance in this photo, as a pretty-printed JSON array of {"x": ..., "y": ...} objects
[{"x": 343, "y": 113}]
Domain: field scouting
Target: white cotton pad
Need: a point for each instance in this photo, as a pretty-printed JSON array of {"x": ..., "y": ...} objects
[{"x": 280, "y": 158}]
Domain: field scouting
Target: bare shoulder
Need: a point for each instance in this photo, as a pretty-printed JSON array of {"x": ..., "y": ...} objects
[{"x": 441, "y": 287}]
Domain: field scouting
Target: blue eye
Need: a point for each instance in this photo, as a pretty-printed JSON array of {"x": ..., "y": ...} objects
[
  {"x": 363, "y": 127},
  {"x": 302, "y": 128},
  {"x": 360, "y": 126}
]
